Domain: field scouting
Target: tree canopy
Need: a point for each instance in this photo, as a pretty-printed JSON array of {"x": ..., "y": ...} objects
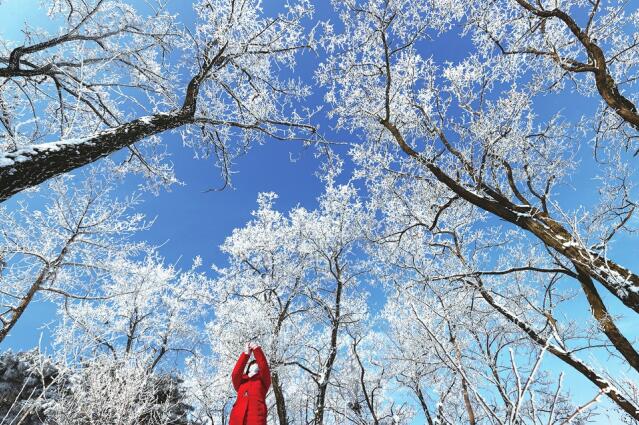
[{"x": 466, "y": 262}]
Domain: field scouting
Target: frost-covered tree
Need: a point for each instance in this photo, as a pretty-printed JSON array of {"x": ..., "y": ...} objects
[
  {"x": 462, "y": 214},
  {"x": 466, "y": 289},
  {"x": 292, "y": 284},
  {"x": 73, "y": 95},
  {"x": 35, "y": 390},
  {"x": 466, "y": 136},
  {"x": 27, "y": 381},
  {"x": 123, "y": 346},
  {"x": 469, "y": 365},
  {"x": 108, "y": 391},
  {"x": 65, "y": 249},
  {"x": 146, "y": 312},
  {"x": 367, "y": 392},
  {"x": 589, "y": 45},
  {"x": 260, "y": 296},
  {"x": 337, "y": 279}
]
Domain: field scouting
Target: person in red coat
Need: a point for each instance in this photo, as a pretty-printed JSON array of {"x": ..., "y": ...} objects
[{"x": 251, "y": 380}]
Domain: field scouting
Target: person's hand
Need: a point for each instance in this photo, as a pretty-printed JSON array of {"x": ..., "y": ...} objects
[
  {"x": 253, "y": 345},
  {"x": 248, "y": 348}
]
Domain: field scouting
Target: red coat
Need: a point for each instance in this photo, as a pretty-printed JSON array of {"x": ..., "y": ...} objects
[{"x": 251, "y": 392}]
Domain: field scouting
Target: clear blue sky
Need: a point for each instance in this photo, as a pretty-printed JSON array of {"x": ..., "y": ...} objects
[{"x": 191, "y": 222}]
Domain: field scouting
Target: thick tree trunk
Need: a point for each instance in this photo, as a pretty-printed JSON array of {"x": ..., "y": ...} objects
[
  {"x": 32, "y": 165},
  {"x": 607, "y": 324}
]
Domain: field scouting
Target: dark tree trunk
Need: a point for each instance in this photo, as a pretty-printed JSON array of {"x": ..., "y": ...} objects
[
  {"x": 28, "y": 167},
  {"x": 320, "y": 400},
  {"x": 280, "y": 402}
]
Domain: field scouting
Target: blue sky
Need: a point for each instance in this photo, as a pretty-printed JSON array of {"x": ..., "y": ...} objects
[{"x": 191, "y": 221}]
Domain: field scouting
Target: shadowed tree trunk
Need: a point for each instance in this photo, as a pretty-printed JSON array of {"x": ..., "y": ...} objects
[
  {"x": 29, "y": 166},
  {"x": 325, "y": 375},
  {"x": 280, "y": 402}
]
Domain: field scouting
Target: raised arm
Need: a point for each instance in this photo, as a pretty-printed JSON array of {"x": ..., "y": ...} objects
[
  {"x": 264, "y": 371},
  {"x": 236, "y": 375}
]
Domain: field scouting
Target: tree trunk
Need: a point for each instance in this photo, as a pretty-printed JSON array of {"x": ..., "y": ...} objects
[
  {"x": 29, "y": 166},
  {"x": 280, "y": 402},
  {"x": 320, "y": 400},
  {"x": 424, "y": 405},
  {"x": 606, "y": 85},
  {"x": 605, "y": 321}
]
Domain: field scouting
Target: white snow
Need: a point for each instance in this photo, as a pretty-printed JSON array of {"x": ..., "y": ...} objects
[
  {"x": 146, "y": 120},
  {"x": 571, "y": 244},
  {"x": 9, "y": 159}
]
